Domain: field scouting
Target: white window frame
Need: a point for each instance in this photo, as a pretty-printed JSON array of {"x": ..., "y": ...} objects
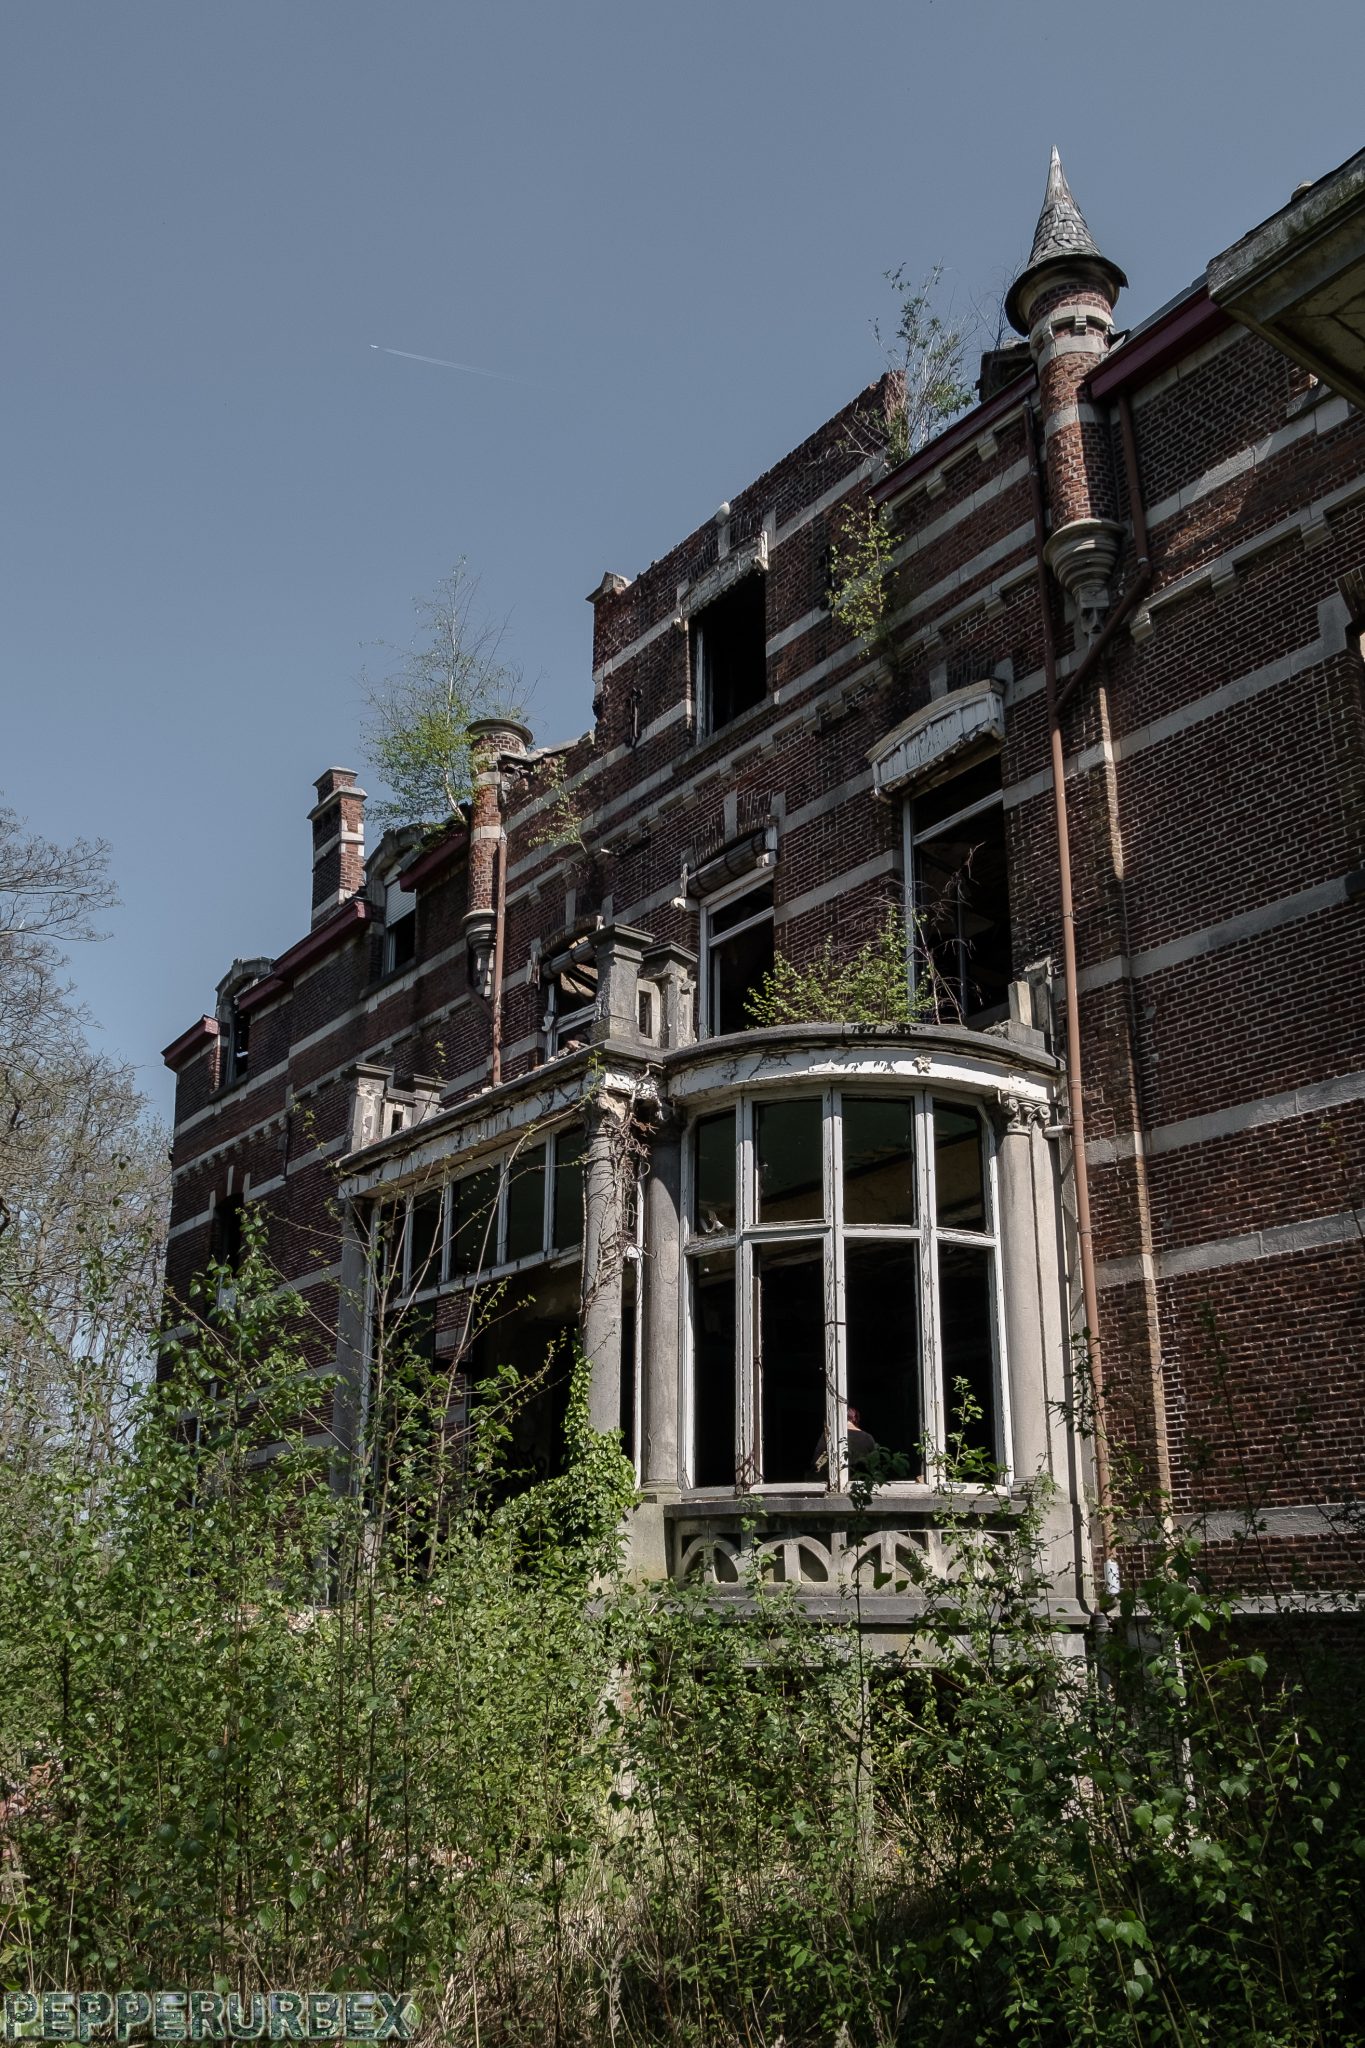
[
  {"x": 503, "y": 1164},
  {"x": 833, "y": 1234},
  {"x": 721, "y": 899}
]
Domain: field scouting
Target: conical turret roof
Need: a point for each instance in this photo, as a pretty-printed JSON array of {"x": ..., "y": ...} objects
[{"x": 1060, "y": 240}]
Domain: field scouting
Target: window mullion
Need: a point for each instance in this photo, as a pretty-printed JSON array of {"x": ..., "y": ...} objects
[
  {"x": 931, "y": 1347},
  {"x": 1005, "y": 1447},
  {"x": 747, "y": 1447},
  {"x": 836, "y": 1365}
]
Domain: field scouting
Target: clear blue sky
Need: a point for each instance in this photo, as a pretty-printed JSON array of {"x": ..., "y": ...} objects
[{"x": 670, "y": 223}]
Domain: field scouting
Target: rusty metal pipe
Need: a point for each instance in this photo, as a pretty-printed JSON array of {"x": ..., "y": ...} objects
[
  {"x": 499, "y": 929},
  {"x": 1074, "y": 1088},
  {"x": 1141, "y": 583}
]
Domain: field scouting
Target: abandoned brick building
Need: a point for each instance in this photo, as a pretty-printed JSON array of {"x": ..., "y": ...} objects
[{"x": 1106, "y": 750}]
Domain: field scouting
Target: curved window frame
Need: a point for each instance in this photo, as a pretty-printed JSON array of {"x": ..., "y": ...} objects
[{"x": 749, "y": 1235}]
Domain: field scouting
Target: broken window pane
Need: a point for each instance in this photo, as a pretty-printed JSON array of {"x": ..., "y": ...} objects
[
  {"x": 739, "y": 955},
  {"x": 961, "y": 893},
  {"x": 959, "y": 1177},
  {"x": 713, "y": 1196},
  {"x": 789, "y": 1137},
  {"x": 789, "y": 1282},
  {"x": 879, "y": 1160},
  {"x": 967, "y": 1324},
  {"x": 713, "y": 1369},
  {"x": 882, "y": 1320},
  {"x": 526, "y": 1204},
  {"x": 729, "y": 641}
]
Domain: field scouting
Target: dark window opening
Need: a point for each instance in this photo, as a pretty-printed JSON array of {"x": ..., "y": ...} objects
[
  {"x": 534, "y": 1332},
  {"x": 789, "y": 1139},
  {"x": 424, "y": 1242},
  {"x": 790, "y": 1361},
  {"x": 729, "y": 652},
  {"x": 566, "y": 1219},
  {"x": 474, "y": 1223},
  {"x": 739, "y": 954},
  {"x": 879, "y": 1161},
  {"x": 227, "y": 1246},
  {"x": 526, "y": 1205},
  {"x": 400, "y": 928},
  {"x": 573, "y": 1005},
  {"x": 961, "y": 895},
  {"x": 713, "y": 1369},
  {"x": 969, "y": 1376},
  {"x": 881, "y": 1309},
  {"x": 713, "y": 1196}
]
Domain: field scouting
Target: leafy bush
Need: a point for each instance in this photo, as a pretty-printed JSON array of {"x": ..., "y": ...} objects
[{"x": 243, "y": 1741}]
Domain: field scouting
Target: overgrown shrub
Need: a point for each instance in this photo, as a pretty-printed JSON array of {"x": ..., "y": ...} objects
[{"x": 245, "y": 1742}]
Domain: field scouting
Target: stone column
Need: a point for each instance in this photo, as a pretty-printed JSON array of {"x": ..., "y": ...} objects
[
  {"x": 349, "y": 1395},
  {"x": 663, "y": 1310},
  {"x": 1033, "y": 1282},
  {"x": 606, "y": 1168},
  {"x": 1031, "y": 1450}
]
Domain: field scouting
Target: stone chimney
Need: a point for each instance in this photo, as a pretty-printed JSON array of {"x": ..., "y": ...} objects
[
  {"x": 1063, "y": 300},
  {"x": 490, "y": 739},
  {"x": 338, "y": 820}
]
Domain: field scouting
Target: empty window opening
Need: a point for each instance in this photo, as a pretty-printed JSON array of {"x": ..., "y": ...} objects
[
  {"x": 235, "y": 1054},
  {"x": 729, "y": 653},
  {"x": 400, "y": 928},
  {"x": 572, "y": 1006},
  {"x": 227, "y": 1243},
  {"x": 738, "y": 955},
  {"x": 960, "y": 895}
]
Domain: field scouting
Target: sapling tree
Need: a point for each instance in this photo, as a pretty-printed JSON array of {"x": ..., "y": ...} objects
[
  {"x": 925, "y": 353},
  {"x": 420, "y": 710}
]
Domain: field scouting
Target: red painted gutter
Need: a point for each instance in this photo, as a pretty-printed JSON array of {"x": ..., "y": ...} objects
[
  {"x": 197, "y": 1039},
  {"x": 434, "y": 859},
  {"x": 1186, "y": 326},
  {"x": 959, "y": 435},
  {"x": 317, "y": 943}
]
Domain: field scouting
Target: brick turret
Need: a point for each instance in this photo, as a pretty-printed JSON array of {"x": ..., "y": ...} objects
[{"x": 1063, "y": 300}]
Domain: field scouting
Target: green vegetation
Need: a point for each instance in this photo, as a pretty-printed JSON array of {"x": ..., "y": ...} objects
[
  {"x": 873, "y": 987},
  {"x": 250, "y": 1737},
  {"x": 421, "y": 709}
]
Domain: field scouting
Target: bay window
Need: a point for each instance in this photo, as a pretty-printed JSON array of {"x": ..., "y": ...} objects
[{"x": 842, "y": 1296}]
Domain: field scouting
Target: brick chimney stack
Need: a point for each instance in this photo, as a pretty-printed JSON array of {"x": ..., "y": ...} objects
[
  {"x": 1063, "y": 300},
  {"x": 338, "y": 820}
]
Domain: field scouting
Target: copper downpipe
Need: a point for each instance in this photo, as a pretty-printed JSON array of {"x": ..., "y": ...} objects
[
  {"x": 499, "y": 928},
  {"x": 1075, "y": 1091}
]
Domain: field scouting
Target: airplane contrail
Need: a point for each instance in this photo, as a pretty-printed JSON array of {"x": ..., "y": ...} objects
[{"x": 441, "y": 363}]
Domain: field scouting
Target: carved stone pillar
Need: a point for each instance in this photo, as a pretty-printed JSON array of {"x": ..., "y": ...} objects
[
  {"x": 1032, "y": 1376},
  {"x": 349, "y": 1394},
  {"x": 663, "y": 1310},
  {"x": 607, "y": 1168}
]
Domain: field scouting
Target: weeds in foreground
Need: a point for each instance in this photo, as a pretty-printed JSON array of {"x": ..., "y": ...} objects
[{"x": 244, "y": 1743}]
